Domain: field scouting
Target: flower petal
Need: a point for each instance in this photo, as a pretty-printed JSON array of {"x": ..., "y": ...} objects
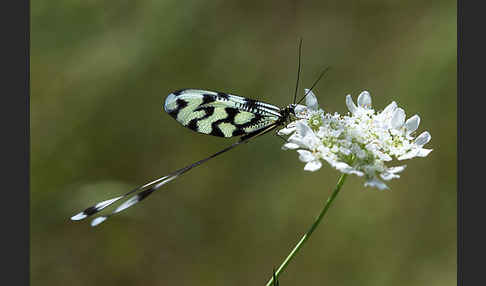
[
  {"x": 296, "y": 139},
  {"x": 423, "y": 138},
  {"x": 311, "y": 100},
  {"x": 409, "y": 155},
  {"x": 356, "y": 172},
  {"x": 301, "y": 111},
  {"x": 390, "y": 107},
  {"x": 313, "y": 166},
  {"x": 290, "y": 146},
  {"x": 305, "y": 156},
  {"x": 422, "y": 152},
  {"x": 302, "y": 128},
  {"x": 388, "y": 176},
  {"x": 345, "y": 168},
  {"x": 350, "y": 104},
  {"x": 364, "y": 99},
  {"x": 286, "y": 131},
  {"x": 311, "y": 141},
  {"x": 412, "y": 123},
  {"x": 396, "y": 169},
  {"x": 376, "y": 183},
  {"x": 341, "y": 166},
  {"x": 398, "y": 118}
]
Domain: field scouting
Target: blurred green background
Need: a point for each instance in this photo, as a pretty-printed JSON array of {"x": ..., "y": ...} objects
[{"x": 100, "y": 71}]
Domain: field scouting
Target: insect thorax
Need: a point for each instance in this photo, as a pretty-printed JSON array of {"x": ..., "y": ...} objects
[{"x": 288, "y": 114}]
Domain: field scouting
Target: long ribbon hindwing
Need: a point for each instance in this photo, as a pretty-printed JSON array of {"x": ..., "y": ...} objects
[{"x": 220, "y": 114}]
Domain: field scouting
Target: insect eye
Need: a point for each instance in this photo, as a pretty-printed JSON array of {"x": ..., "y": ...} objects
[{"x": 292, "y": 109}]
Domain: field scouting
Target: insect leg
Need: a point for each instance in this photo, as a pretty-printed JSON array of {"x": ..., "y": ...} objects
[{"x": 281, "y": 137}]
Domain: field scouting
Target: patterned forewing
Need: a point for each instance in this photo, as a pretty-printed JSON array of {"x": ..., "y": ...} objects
[{"x": 219, "y": 114}]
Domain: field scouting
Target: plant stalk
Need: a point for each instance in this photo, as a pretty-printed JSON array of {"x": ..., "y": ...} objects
[{"x": 307, "y": 235}]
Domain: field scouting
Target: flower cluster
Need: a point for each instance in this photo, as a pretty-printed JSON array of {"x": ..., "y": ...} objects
[{"x": 359, "y": 143}]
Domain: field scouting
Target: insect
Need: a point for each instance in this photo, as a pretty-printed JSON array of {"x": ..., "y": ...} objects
[{"x": 214, "y": 113}]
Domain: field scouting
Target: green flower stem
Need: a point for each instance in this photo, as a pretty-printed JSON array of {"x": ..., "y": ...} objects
[{"x": 311, "y": 229}]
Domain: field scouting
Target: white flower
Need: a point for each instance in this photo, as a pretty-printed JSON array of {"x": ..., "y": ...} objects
[{"x": 359, "y": 143}]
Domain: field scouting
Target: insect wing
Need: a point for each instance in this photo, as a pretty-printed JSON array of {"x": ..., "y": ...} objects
[{"x": 220, "y": 114}]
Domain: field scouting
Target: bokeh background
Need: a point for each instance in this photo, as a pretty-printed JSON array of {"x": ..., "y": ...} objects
[{"x": 100, "y": 71}]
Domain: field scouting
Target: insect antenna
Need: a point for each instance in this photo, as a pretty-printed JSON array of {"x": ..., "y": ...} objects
[
  {"x": 298, "y": 71},
  {"x": 314, "y": 84}
]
